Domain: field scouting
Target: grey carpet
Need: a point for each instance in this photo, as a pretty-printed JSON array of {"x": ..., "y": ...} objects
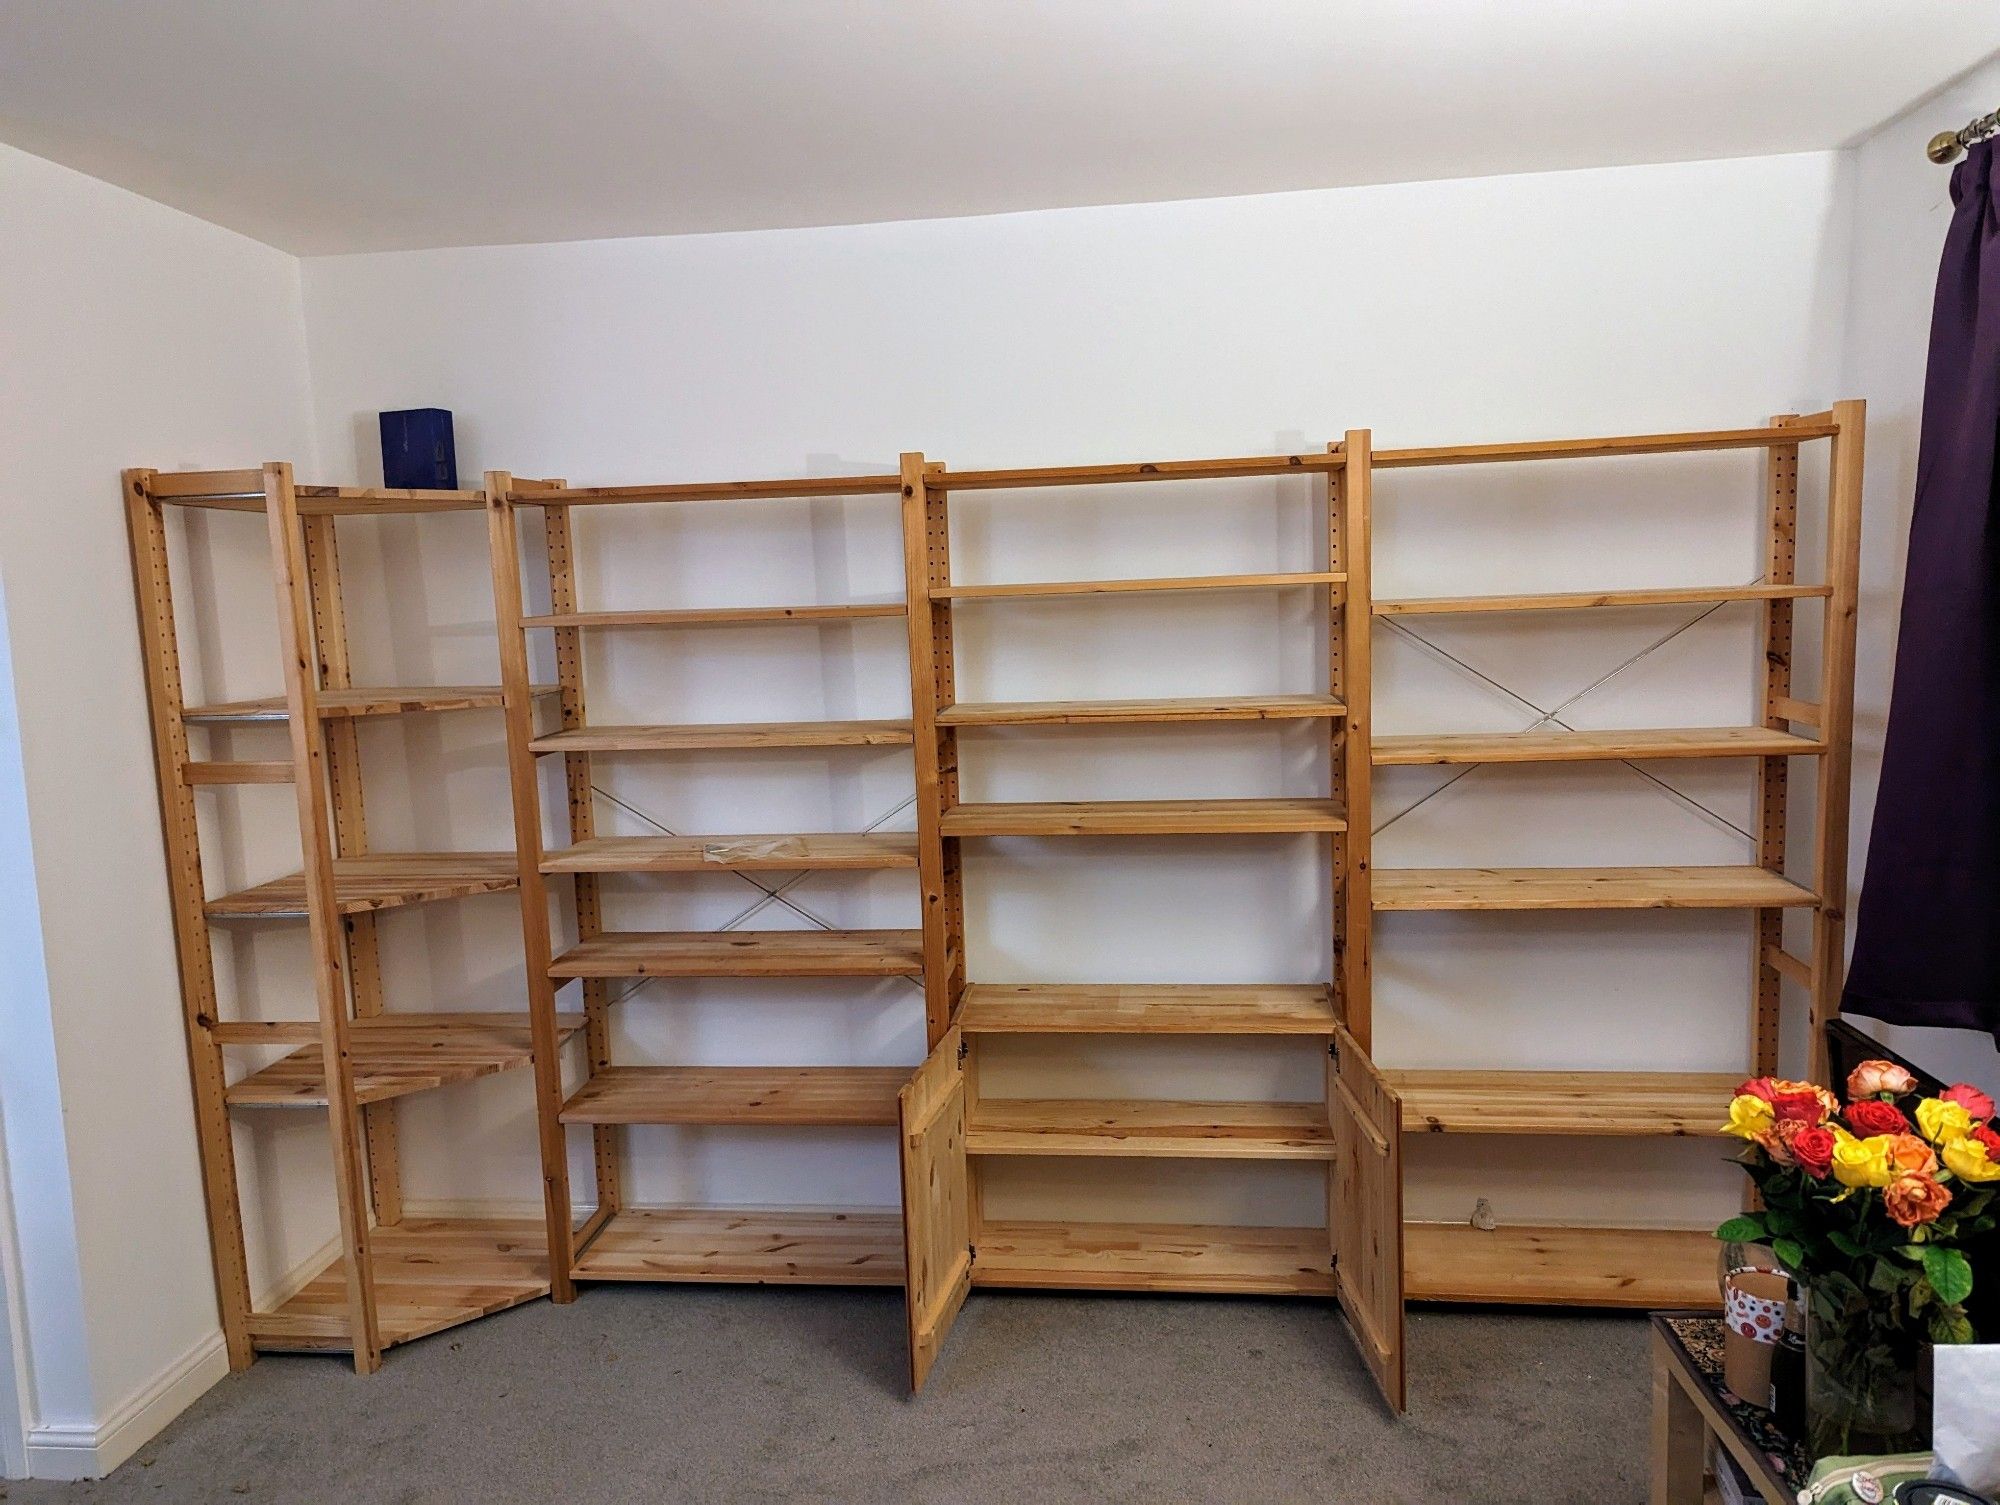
[{"x": 701, "y": 1394}]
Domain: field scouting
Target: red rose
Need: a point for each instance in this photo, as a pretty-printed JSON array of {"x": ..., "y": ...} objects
[
  {"x": 1873, "y": 1116},
  {"x": 1799, "y": 1107},
  {"x": 1985, "y": 1135},
  {"x": 1970, "y": 1098},
  {"x": 1757, "y": 1086},
  {"x": 1812, "y": 1147}
]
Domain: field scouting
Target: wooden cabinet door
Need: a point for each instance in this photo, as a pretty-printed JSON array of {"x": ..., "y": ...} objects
[
  {"x": 937, "y": 1226},
  {"x": 1365, "y": 1209}
]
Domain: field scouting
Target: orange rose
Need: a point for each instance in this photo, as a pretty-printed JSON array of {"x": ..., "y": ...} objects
[
  {"x": 1911, "y": 1200},
  {"x": 1910, "y": 1156},
  {"x": 1803, "y": 1101},
  {"x": 1874, "y": 1078}
]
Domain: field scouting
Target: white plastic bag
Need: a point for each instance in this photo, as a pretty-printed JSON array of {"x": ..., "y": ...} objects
[{"x": 1966, "y": 1415}]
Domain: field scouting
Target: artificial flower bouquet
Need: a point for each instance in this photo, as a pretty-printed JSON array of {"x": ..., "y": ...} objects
[{"x": 1871, "y": 1207}]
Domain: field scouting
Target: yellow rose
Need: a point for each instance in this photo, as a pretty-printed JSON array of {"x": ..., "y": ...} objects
[
  {"x": 1749, "y": 1116},
  {"x": 1971, "y": 1161},
  {"x": 1863, "y": 1162},
  {"x": 1943, "y": 1121}
]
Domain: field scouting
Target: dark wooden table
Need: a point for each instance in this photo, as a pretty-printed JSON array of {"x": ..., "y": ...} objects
[{"x": 1690, "y": 1406}]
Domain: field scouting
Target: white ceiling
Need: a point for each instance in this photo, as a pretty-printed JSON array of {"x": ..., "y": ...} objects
[{"x": 346, "y": 125}]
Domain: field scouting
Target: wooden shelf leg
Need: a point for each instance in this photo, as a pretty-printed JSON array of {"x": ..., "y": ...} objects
[
  {"x": 517, "y": 697},
  {"x": 322, "y": 908},
  {"x": 167, "y": 700}
]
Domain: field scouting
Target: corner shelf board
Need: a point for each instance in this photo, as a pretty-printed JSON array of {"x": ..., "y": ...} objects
[
  {"x": 380, "y": 880},
  {"x": 429, "y": 1274},
  {"x": 397, "y": 1054},
  {"x": 1688, "y": 595},
  {"x": 357, "y": 701}
]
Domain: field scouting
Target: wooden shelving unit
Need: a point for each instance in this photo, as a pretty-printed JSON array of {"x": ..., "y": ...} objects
[
  {"x": 616, "y": 1241},
  {"x": 1650, "y": 1266},
  {"x": 952, "y": 1128},
  {"x": 395, "y": 1278}
]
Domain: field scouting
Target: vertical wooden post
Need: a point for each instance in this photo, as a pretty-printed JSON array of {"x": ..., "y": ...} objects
[
  {"x": 322, "y": 907},
  {"x": 1356, "y": 624},
  {"x": 517, "y": 697},
  {"x": 1767, "y": 926},
  {"x": 1836, "y": 712},
  {"x": 926, "y": 564},
  {"x": 350, "y": 839},
  {"x": 167, "y": 702},
  {"x": 582, "y": 827}
]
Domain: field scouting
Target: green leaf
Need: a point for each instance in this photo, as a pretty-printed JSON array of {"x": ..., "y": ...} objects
[
  {"x": 1887, "y": 1277},
  {"x": 1950, "y": 1274},
  {"x": 1792, "y": 1256},
  {"x": 1949, "y": 1325},
  {"x": 1782, "y": 1220},
  {"x": 1844, "y": 1244},
  {"x": 1742, "y": 1229}
]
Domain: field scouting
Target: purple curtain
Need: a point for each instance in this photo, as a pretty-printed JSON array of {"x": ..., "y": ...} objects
[{"x": 1927, "y": 934}]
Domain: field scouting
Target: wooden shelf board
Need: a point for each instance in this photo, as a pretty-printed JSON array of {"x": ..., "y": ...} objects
[
  {"x": 716, "y": 491},
  {"x": 744, "y": 953},
  {"x": 430, "y": 1274},
  {"x": 1511, "y": 888},
  {"x": 1175, "y": 1130},
  {"x": 727, "y": 735},
  {"x": 1784, "y": 435},
  {"x": 1114, "y": 712},
  {"x": 1311, "y": 463},
  {"x": 365, "y": 701},
  {"x": 689, "y": 854},
  {"x": 1036, "y": 588},
  {"x": 1565, "y": 746},
  {"x": 243, "y": 491},
  {"x": 1147, "y": 1009},
  {"x": 1144, "y": 818},
  {"x": 1622, "y": 1267},
  {"x": 397, "y": 1054},
  {"x": 795, "y": 1095},
  {"x": 1564, "y": 1103},
  {"x": 747, "y": 1246},
  {"x": 1154, "y": 1257},
  {"x": 1688, "y": 595},
  {"x": 719, "y": 616},
  {"x": 381, "y": 880}
]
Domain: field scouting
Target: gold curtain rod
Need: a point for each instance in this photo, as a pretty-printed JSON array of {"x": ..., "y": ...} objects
[{"x": 1946, "y": 146}]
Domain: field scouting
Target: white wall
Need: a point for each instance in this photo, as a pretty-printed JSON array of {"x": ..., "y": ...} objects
[
  {"x": 134, "y": 335},
  {"x": 1902, "y": 206},
  {"x": 1572, "y": 303}
]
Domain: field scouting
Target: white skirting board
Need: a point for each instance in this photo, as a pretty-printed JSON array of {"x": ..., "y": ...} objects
[{"x": 83, "y": 1450}]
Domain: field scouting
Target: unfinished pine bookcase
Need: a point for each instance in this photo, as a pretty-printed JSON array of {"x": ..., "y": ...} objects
[
  {"x": 396, "y": 1278},
  {"x": 616, "y": 1242},
  {"x": 1650, "y": 1267},
  {"x": 951, "y": 1128}
]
